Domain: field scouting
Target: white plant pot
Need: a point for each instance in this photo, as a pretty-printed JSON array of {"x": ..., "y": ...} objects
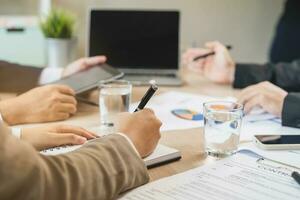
[{"x": 60, "y": 52}]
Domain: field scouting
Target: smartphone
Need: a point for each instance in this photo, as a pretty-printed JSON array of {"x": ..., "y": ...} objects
[{"x": 278, "y": 142}]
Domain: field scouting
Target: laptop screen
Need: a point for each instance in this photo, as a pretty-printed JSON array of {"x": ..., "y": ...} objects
[{"x": 136, "y": 39}]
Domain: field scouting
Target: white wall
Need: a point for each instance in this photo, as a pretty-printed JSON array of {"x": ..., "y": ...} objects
[{"x": 248, "y": 25}]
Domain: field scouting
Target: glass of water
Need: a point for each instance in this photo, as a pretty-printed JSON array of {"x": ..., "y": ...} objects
[
  {"x": 114, "y": 98},
  {"x": 222, "y": 126}
]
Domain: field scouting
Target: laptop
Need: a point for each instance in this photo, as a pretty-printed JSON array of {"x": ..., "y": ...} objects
[{"x": 142, "y": 44}]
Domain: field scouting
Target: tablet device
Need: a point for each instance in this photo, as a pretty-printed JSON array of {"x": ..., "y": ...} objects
[{"x": 89, "y": 78}]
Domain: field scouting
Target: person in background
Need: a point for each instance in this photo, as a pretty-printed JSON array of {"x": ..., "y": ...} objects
[
  {"x": 101, "y": 169},
  {"x": 286, "y": 42},
  {"x": 274, "y": 87},
  {"x": 40, "y": 104}
]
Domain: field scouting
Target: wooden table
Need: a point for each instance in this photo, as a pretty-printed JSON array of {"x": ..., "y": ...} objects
[{"x": 189, "y": 142}]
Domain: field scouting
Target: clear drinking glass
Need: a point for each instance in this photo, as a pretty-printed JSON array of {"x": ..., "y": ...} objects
[
  {"x": 114, "y": 98},
  {"x": 222, "y": 126}
]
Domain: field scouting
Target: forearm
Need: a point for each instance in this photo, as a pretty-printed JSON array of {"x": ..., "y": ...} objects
[
  {"x": 284, "y": 75},
  {"x": 105, "y": 168},
  {"x": 249, "y": 74},
  {"x": 291, "y": 110},
  {"x": 99, "y": 170}
]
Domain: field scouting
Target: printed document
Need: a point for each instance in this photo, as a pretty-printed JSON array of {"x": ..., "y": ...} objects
[{"x": 239, "y": 177}]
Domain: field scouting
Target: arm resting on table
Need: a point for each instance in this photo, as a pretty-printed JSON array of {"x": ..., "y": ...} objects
[{"x": 100, "y": 170}]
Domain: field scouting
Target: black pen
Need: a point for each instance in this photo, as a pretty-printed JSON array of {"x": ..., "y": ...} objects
[
  {"x": 150, "y": 92},
  {"x": 296, "y": 177},
  {"x": 209, "y": 54}
]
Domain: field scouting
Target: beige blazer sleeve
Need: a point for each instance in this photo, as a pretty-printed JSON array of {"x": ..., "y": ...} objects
[{"x": 99, "y": 170}]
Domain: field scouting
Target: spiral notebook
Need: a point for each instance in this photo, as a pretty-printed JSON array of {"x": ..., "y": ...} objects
[{"x": 161, "y": 155}]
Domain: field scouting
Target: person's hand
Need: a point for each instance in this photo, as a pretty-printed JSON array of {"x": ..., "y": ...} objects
[
  {"x": 265, "y": 95},
  {"x": 219, "y": 68},
  {"x": 82, "y": 64},
  {"x": 142, "y": 128},
  {"x": 55, "y": 135},
  {"x": 42, "y": 104}
]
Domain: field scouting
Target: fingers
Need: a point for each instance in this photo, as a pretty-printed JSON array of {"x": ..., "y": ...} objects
[
  {"x": 75, "y": 130},
  {"x": 67, "y": 99},
  {"x": 65, "y": 139},
  {"x": 148, "y": 110},
  {"x": 66, "y": 108},
  {"x": 251, "y": 103},
  {"x": 64, "y": 89},
  {"x": 248, "y": 93},
  {"x": 60, "y": 116},
  {"x": 92, "y": 61}
]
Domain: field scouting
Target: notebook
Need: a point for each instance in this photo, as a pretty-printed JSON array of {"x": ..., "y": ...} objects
[{"x": 161, "y": 155}]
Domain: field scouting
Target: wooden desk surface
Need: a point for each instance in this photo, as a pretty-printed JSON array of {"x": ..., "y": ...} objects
[{"x": 189, "y": 142}]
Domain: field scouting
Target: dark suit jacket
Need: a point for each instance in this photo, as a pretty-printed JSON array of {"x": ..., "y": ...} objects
[
  {"x": 100, "y": 170},
  {"x": 286, "y": 42},
  {"x": 17, "y": 78},
  {"x": 284, "y": 75}
]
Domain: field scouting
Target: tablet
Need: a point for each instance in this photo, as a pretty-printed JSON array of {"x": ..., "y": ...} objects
[{"x": 89, "y": 79}]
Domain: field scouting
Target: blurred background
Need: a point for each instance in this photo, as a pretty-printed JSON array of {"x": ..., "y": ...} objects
[{"x": 247, "y": 25}]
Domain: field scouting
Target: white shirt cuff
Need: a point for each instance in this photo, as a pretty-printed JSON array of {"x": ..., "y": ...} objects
[
  {"x": 16, "y": 132},
  {"x": 49, "y": 75},
  {"x": 130, "y": 142}
]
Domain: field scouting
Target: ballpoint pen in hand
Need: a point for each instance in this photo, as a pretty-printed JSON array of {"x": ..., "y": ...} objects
[
  {"x": 209, "y": 54},
  {"x": 150, "y": 92}
]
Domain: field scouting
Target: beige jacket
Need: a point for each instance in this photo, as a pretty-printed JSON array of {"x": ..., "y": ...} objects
[{"x": 100, "y": 170}]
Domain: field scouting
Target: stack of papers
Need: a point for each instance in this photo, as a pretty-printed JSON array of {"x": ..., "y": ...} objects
[{"x": 239, "y": 177}]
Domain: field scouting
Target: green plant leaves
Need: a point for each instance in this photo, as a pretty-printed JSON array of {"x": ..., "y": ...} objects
[{"x": 58, "y": 24}]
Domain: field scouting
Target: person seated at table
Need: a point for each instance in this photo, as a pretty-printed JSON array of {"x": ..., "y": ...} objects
[
  {"x": 286, "y": 42},
  {"x": 41, "y": 104},
  {"x": 101, "y": 169},
  {"x": 274, "y": 87}
]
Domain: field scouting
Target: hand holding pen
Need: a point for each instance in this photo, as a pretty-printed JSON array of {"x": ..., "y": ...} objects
[{"x": 218, "y": 66}]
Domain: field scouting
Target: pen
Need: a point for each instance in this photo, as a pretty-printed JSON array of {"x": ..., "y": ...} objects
[
  {"x": 150, "y": 92},
  {"x": 229, "y": 47},
  {"x": 296, "y": 177}
]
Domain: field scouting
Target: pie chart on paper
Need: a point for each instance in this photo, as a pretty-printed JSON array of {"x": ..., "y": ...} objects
[{"x": 188, "y": 114}]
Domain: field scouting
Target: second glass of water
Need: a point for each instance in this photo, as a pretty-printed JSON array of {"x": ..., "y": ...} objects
[
  {"x": 222, "y": 126},
  {"x": 114, "y": 98}
]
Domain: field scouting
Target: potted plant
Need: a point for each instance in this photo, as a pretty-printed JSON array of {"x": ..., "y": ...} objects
[{"x": 58, "y": 28}]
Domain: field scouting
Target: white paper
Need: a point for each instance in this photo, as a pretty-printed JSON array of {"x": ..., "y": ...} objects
[
  {"x": 256, "y": 122},
  {"x": 290, "y": 157},
  {"x": 238, "y": 177},
  {"x": 163, "y": 105}
]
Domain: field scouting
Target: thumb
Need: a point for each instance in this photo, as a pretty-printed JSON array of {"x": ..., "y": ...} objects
[{"x": 92, "y": 61}]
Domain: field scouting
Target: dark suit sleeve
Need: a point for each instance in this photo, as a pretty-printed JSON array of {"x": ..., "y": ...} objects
[
  {"x": 18, "y": 78},
  {"x": 291, "y": 110},
  {"x": 284, "y": 75}
]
